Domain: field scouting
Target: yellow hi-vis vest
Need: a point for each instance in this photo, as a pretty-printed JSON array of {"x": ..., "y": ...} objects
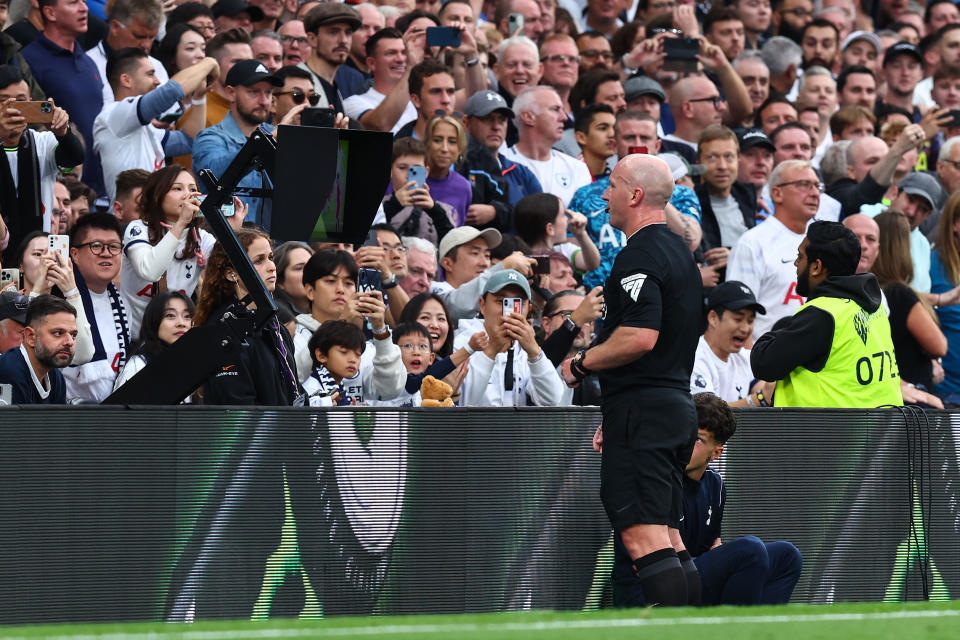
[{"x": 861, "y": 370}]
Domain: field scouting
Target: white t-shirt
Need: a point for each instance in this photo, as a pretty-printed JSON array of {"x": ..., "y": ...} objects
[
  {"x": 763, "y": 260},
  {"x": 923, "y": 93},
  {"x": 99, "y": 57},
  {"x": 122, "y": 142},
  {"x": 729, "y": 381},
  {"x": 358, "y": 104},
  {"x": 46, "y": 144},
  {"x": 142, "y": 261},
  {"x": 561, "y": 175},
  {"x": 729, "y": 219}
]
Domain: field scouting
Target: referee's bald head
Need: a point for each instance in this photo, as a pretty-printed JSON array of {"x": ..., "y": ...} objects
[{"x": 649, "y": 173}]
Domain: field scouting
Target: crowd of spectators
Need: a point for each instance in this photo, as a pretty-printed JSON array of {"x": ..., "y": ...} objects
[{"x": 491, "y": 266}]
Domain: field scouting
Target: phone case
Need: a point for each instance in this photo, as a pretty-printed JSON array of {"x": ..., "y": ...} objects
[
  {"x": 8, "y": 276},
  {"x": 417, "y": 174},
  {"x": 36, "y": 112},
  {"x": 512, "y": 305},
  {"x": 61, "y": 244}
]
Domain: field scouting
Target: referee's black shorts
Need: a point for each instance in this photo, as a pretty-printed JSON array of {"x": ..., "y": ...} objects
[{"x": 648, "y": 437}]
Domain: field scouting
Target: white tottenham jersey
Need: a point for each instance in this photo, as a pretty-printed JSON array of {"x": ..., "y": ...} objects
[
  {"x": 729, "y": 381},
  {"x": 763, "y": 260}
]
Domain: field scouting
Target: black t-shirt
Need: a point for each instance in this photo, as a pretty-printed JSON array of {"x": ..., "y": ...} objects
[
  {"x": 654, "y": 284},
  {"x": 914, "y": 364}
]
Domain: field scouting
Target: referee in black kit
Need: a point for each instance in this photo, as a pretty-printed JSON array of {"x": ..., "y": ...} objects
[{"x": 644, "y": 358}]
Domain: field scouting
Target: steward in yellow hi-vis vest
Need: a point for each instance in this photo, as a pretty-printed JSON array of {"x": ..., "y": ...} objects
[{"x": 836, "y": 350}]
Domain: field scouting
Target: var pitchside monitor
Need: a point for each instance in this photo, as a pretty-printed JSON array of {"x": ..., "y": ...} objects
[{"x": 329, "y": 183}]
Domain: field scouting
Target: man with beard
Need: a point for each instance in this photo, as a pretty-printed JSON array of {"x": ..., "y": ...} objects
[
  {"x": 762, "y": 258},
  {"x": 250, "y": 88},
  {"x": 33, "y": 369},
  {"x": 790, "y": 16},
  {"x": 816, "y": 355},
  {"x": 819, "y": 41},
  {"x": 329, "y": 28}
]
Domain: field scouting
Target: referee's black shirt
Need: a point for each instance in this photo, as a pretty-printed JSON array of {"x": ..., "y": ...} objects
[{"x": 654, "y": 284}]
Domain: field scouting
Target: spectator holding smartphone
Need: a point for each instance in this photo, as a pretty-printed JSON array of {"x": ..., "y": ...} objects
[
  {"x": 330, "y": 280},
  {"x": 165, "y": 248},
  {"x": 512, "y": 367},
  {"x": 26, "y": 186},
  {"x": 410, "y": 209}
]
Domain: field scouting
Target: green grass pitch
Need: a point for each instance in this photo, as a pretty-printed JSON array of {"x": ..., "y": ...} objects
[{"x": 791, "y": 622}]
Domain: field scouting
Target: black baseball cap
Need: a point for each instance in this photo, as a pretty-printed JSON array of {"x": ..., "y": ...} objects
[
  {"x": 734, "y": 295},
  {"x": 13, "y": 305},
  {"x": 904, "y": 49},
  {"x": 249, "y": 73},
  {"x": 231, "y": 8},
  {"x": 750, "y": 138}
]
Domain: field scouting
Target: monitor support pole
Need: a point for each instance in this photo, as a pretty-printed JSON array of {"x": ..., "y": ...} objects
[{"x": 202, "y": 351}]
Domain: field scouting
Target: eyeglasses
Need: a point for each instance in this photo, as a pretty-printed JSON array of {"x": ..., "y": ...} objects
[
  {"x": 716, "y": 100},
  {"x": 804, "y": 185},
  {"x": 454, "y": 114},
  {"x": 954, "y": 163},
  {"x": 561, "y": 57},
  {"x": 298, "y": 96},
  {"x": 593, "y": 54},
  {"x": 300, "y": 40},
  {"x": 416, "y": 348},
  {"x": 97, "y": 248},
  {"x": 658, "y": 30}
]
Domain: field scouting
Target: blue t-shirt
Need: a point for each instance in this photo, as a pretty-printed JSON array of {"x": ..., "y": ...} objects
[
  {"x": 950, "y": 325},
  {"x": 588, "y": 201}
]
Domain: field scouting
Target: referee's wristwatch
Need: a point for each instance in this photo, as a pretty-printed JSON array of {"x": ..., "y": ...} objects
[{"x": 576, "y": 365}]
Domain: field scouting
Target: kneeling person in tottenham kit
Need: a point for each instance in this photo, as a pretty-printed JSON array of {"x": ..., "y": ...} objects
[
  {"x": 836, "y": 350},
  {"x": 644, "y": 359},
  {"x": 743, "y": 571}
]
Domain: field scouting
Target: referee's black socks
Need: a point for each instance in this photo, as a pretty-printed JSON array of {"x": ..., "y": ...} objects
[
  {"x": 662, "y": 578},
  {"x": 693, "y": 578}
]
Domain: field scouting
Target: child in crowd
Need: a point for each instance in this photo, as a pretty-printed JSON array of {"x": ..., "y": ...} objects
[
  {"x": 336, "y": 347},
  {"x": 418, "y": 358}
]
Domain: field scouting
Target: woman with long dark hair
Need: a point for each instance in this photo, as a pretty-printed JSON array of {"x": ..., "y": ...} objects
[
  {"x": 166, "y": 249},
  {"x": 290, "y": 293},
  {"x": 429, "y": 310},
  {"x": 167, "y": 317},
  {"x": 264, "y": 371},
  {"x": 917, "y": 338}
]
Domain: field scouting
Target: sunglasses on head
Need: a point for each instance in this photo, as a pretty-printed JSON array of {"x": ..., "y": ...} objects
[{"x": 298, "y": 96}]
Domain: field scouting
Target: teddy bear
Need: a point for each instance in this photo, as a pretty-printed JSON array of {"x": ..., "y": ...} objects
[{"x": 435, "y": 393}]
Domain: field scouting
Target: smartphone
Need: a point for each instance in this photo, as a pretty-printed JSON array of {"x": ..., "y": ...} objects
[
  {"x": 543, "y": 265},
  {"x": 515, "y": 24},
  {"x": 8, "y": 277},
  {"x": 369, "y": 280},
  {"x": 35, "y": 111},
  {"x": 60, "y": 244},
  {"x": 443, "y": 36},
  {"x": 632, "y": 150},
  {"x": 227, "y": 210},
  {"x": 954, "y": 118},
  {"x": 418, "y": 174},
  {"x": 170, "y": 117},
  {"x": 512, "y": 305},
  {"x": 318, "y": 117},
  {"x": 371, "y": 240},
  {"x": 681, "y": 54}
]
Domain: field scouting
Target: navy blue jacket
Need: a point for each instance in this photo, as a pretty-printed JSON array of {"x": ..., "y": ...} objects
[
  {"x": 703, "y": 504},
  {"x": 15, "y": 371}
]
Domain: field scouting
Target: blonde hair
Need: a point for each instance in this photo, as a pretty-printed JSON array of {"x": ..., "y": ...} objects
[{"x": 456, "y": 124}]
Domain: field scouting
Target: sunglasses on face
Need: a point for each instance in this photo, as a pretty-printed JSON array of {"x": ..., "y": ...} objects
[{"x": 298, "y": 96}]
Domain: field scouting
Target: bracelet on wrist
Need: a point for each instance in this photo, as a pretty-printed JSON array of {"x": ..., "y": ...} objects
[
  {"x": 472, "y": 62},
  {"x": 383, "y": 334},
  {"x": 71, "y": 293},
  {"x": 762, "y": 400},
  {"x": 535, "y": 359},
  {"x": 200, "y": 102},
  {"x": 470, "y": 350}
]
